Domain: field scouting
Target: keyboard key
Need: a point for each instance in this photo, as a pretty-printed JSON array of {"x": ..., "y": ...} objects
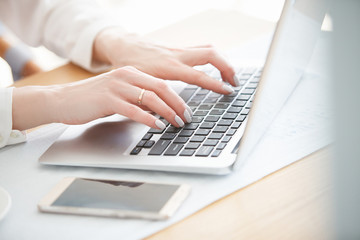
[
  {"x": 159, "y": 147},
  {"x": 191, "y": 126},
  {"x": 243, "y": 97},
  {"x": 194, "y": 103},
  {"x": 251, "y": 86},
  {"x": 226, "y": 139},
  {"x": 204, "y": 151},
  {"x": 135, "y": 151},
  {"x": 198, "y": 97},
  {"x": 207, "y": 125},
  {"x": 201, "y": 113},
  {"x": 172, "y": 129},
  {"x": 212, "y": 118},
  {"x": 217, "y": 112},
  {"x": 241, "y": 118},
  {"x": 149, "y": 144},
  {"x": 187, "y": 152},
  {"x": 215, "y": 136},
  {"x": 249, "y": 70},
  {"x": 203, "y": 132},
  {"x": 234, "y": 94},
  {"x": 255, "y": 79},
  {"x": 186, "y": 94},
  {"x": 224, "y": 122},
  {"x": 220, "y": 129},
  {"x": 226, "y": 99},
  {"x": 186, "y": 133},
  {"x": 248, "y": 91},
  {"x": 197, "y": 119},
  {"x": 245, "y": 111},
  {"x": 244, "y": 78},
  {"x": 181, "y": 140},
  {"x": 236, "y": 125},
  {"x": 229, "y": 116},
  {"x": 197, "y": 139},
  {"x": 214, "y": 95},
  {"x": 192, "y": 145},
  {"x": 238, "y": 103},
  {"x": 221, "y": 146},
  {"x": 222, "y": 105},
  {"x": 156, "y": 131},
  {"x": 249, "y": 105},
  {"x": 147, "y": 136},
  {"x": 173, "y": 150},
  {"x": 210, "y": 100},
  {"x": 141, "y": 143},
  {"x": 168, "y": 136},
  {"x": 205, "y": 107},
  {"x": 234, "y": 110},
  {"x": 164, "y": 121},
  {"x": 210, "y": 142},
  {"x": 216, "y": 153},
  {"x": 231, "y": 132}
]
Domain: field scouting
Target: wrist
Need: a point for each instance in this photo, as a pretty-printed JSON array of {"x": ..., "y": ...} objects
[
  {"x": 107, "y": 41},
  {"x": 32, "y": 106}
]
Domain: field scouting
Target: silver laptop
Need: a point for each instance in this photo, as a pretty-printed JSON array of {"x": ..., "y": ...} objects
[{"x": 225, "y": 129}]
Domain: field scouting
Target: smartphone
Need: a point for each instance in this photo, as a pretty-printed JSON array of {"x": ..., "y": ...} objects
[{"x": 112, "y": 198}]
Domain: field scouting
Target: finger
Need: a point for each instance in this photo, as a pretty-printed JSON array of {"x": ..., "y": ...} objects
[
  {"x": 156, "y": 104},
  {"x": 201, "y": 56},
  {"x": 137, "y": 114},
  {"x": 192, "y": 76},
  {"x": 167, "y": 94},
  {"x": 149, "y": 99}
]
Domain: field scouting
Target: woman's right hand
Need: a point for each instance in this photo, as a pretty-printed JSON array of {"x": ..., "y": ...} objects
[{"x": 114, "y": 92}]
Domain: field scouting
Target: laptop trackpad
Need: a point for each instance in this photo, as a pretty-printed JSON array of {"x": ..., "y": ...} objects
[{"x": 107, "y": 136}]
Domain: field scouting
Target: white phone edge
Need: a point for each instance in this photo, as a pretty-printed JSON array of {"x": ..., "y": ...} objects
[{"x": 168, "y": 210}]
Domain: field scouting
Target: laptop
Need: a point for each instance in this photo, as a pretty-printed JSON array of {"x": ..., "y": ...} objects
[{"x": 225, "y": 128}]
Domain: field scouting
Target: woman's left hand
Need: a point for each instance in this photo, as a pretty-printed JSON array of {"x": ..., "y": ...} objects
[{"x": 113, "y": 47}]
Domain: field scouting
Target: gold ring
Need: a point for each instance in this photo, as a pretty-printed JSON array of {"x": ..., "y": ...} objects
[{"x": 141, "y": 96}]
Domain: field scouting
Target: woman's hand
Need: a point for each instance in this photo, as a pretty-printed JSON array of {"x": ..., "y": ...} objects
[
  {"x": 117, "y": 91},
  {"x": 114, "y": 48}
]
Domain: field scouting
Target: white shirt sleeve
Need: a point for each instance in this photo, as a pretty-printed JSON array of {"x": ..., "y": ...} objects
[
  {"x": 66, "y": 27},
  {"x": 7, "y": 135}
]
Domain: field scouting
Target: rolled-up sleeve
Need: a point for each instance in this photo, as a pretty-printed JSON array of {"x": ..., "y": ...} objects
[
  {"x": 66, "y": 27},
  {"x": 8, "y": 136}
]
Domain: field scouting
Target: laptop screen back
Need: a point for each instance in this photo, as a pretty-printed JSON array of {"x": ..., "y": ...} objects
[{"x": 291, "y": 49}]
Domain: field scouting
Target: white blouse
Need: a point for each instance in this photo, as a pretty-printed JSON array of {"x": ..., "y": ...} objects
[{"x": 66, "y": 27}]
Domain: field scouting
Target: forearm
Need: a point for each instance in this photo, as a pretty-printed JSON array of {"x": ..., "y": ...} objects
[{"x": 32, "y": 106}]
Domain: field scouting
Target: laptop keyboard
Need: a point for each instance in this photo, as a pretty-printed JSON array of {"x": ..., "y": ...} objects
[{"x": 215, "y": 120}]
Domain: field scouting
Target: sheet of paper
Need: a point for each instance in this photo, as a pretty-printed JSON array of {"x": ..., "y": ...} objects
[{"x": 300, "y": 129}]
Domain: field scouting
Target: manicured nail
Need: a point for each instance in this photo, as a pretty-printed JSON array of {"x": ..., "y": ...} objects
[
  {"x": 228, "y": 88},
  {"x": 237, "y": 81},
  {"x": 187, "y": 116},
  {"x": 179, "y": 121},
  {"x": 160, "y": 124},
  {"x": 189, "y": 109}
]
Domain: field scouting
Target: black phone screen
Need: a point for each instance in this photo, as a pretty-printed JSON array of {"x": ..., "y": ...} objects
[{"x": 121, "y": 195}]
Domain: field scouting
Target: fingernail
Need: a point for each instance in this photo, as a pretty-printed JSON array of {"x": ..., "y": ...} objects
[
  {"x": 237, "y": 81},
  {"x": 190, "y": 111},
  {"x": 187, "y": 116},
  {"x": 179, "y": 121},
  {"x": 228, "y": 88},
  {"x": 160, "y": 124}
]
